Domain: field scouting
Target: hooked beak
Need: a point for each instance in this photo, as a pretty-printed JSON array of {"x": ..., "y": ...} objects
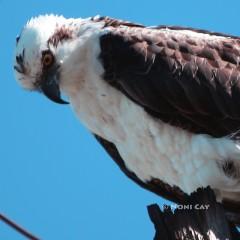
[{"x": 50, "y": 87}]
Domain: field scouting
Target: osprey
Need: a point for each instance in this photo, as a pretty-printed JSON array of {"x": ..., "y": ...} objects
[{"x": 163, "y": 101}]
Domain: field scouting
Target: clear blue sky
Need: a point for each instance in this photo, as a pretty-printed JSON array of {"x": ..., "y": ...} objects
[{"x": 55, "y": 180}]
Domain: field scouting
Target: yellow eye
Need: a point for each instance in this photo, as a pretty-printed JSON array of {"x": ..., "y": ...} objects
[{"x": 47, "y": 59}]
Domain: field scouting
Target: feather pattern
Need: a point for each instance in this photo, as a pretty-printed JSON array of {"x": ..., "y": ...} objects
[{"x": 188, "y": 78}]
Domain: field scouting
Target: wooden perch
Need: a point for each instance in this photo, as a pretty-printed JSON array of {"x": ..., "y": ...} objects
[{"x": 200, "y": 218}]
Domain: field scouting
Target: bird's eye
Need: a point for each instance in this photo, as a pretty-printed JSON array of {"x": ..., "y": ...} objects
[{"x": 47, "y": 59}]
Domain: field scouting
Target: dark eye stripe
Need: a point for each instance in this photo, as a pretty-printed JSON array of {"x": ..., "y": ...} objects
[
  {"x": 17, "y": 39},
  {"x": 20, "y": 63}
]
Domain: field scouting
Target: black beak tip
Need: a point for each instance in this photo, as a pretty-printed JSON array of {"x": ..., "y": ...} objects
[
  {"x": 51, "y": 90},
  {"x": 61, "y": 101},
  {"x": 56, "y": 99}
]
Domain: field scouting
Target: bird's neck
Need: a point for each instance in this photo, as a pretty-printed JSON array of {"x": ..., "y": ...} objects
[
  {"x": 93, "y": 99},
  {"x": 80, "y": 58},
  {"x": 97, "y": 104}
]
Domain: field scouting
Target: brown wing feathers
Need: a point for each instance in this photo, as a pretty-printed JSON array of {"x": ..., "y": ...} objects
[{"x": 188, "y": 81}]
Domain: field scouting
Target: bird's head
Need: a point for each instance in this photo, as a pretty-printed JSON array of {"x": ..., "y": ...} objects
[{"x": 42, "y": 51}]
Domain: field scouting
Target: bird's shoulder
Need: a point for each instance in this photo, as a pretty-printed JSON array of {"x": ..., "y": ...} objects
[{"x": 186, "y": 77}]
